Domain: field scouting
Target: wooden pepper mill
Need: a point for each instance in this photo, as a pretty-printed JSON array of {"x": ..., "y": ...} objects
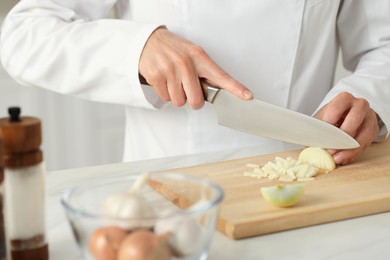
[
  {"x": 2, "y": 227},
  {"x": 24, "y": 187}
]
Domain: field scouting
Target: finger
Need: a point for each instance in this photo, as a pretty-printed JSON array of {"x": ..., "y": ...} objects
[
  {"x": 342, "y": 157},
  {"x": 355, "y": 117},
  {"x": 190, "y": 83},
  {"x": 365, "y": 136},
  {"x": 193, "y": 90},
  {"x": 154, "y": 76},
  {"x": 227, "y": 82},
  {"x": 167, "y": 71},
  {"x": 337, "y": 108},
  {"x": 175, "y": 88},
  {"x": 176, "y": 92},
  {"x": 216, "y": 75},
  {"x": 353, "y": 121},
  {"x": 162, "y": 91}
]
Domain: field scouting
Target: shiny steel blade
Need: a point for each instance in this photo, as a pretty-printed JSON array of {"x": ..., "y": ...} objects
[{"x": 264, "y": 119}]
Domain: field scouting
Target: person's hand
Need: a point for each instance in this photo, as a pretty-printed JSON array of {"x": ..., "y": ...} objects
[
  {"x": 355, "y": 117},
  {"x": 173, "y": 66}
]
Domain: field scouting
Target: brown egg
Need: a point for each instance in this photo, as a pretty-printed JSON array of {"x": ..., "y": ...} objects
[
  {"x": 143, "y": 244},
  {"x": 104, "y": 242}
]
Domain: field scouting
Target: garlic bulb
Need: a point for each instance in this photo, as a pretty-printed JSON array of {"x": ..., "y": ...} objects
[
  {"x": 187, "y": 235},
  {"x": 130, "y": 205}
]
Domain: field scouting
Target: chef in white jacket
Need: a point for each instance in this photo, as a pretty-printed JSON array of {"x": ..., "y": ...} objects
[{"x": 282, "y": 52}]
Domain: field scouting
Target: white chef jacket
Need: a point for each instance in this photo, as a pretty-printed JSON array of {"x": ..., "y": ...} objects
[{"x": 284, "y": 51}]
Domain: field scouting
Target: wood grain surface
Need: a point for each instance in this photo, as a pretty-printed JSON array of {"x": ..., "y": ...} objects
[{"x": 354, "y": 190}]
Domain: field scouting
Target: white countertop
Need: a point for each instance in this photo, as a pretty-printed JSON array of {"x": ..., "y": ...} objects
[{"x": 359, "y": 238}]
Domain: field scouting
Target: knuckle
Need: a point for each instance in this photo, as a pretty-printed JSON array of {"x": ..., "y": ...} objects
[
  {"x": 167, "y": 68},
  {"x": 179, "y": 102},
  {"x": 197, "y": 51},
  {"x": 363, "y": 103},
  {"x": 155, "y": 82},
  {"x": 183, "y": 61},
  {"x": 224, "y": 75},
  {"x": 196, "y": 103},
  {"x": 153, "y": 76},
  {"x": 345, "y": 95}
]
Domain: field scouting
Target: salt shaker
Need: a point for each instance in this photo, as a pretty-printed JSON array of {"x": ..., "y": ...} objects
[{"x": 24, "y": 187}]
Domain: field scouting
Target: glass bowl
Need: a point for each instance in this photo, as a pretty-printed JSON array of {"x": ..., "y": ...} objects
[{"x": 170, "y": 216}]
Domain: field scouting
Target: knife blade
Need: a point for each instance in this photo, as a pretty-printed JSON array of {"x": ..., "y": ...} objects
[{"x": 271, "y": 121}]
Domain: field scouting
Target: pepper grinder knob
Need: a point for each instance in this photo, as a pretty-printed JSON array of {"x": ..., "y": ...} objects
[{"x": 14, "y": 113}]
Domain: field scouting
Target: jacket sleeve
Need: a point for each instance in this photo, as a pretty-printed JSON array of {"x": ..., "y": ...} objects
[
  {"x": 70, "y": 47},
  {"x": 364, "y": 35}
]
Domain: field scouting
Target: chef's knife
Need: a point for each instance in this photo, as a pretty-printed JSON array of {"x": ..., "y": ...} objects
[{"x": 267, "y": 120}]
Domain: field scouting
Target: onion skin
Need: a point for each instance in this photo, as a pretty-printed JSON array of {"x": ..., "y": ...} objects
[
  {"x": 105, "y": 242},
  {"x": 143, "y": 244},
  {"x": 283, "y": 195}
]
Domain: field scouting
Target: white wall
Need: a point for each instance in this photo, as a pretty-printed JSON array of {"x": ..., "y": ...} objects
[{"x": 76, "y": 133}]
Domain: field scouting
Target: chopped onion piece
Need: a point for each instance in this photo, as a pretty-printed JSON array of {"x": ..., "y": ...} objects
[{"x": 281, "y": 169}]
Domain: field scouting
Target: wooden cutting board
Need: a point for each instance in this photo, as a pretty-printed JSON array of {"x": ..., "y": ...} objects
[{"x": 354, "y": 190}]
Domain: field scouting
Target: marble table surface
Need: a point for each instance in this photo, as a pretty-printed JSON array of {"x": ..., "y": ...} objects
[{"x": 359, "y": 238}]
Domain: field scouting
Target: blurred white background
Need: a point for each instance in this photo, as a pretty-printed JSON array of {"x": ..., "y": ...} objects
[{"x": 76, "y": 133}]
